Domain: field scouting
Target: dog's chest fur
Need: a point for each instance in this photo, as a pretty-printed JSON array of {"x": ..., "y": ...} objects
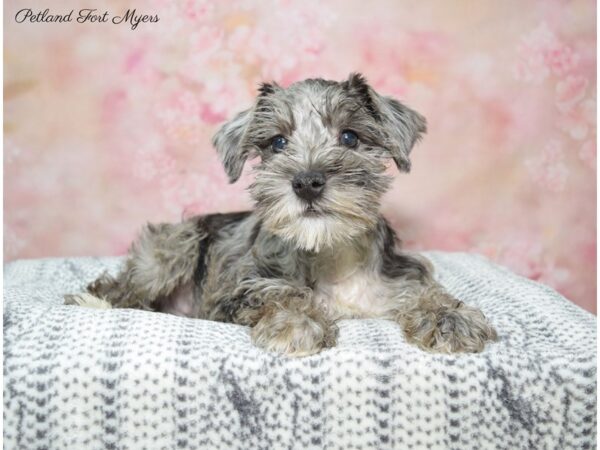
[{"x": 348, "y": 287}]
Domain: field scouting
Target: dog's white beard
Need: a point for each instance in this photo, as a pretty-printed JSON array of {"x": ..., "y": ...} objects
[
  {"x": 318, "y": 233},
  {"x": 287, "y": 220}
]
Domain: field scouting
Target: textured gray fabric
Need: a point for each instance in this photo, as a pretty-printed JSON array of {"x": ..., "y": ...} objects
[{"x": 88, "y": 379}]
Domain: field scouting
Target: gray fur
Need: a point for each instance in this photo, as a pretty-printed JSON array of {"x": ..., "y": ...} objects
[
  {"x": 293, "y": 267},
  {"x": 229, "y": 142},
  {"x": 161, "y": 262}
]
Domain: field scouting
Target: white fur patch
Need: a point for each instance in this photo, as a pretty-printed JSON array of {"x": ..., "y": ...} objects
[
  {"x": 349, "y": 287},
  {"x": 360, "y": 295},
  {"x": 89, "y": 301}
]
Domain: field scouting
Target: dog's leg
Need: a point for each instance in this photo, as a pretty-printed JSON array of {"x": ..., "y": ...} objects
[
  {"x": 434, "y": 320},
  {"x": 285, "y": 319},
  {"x": 160, "y": 262}
]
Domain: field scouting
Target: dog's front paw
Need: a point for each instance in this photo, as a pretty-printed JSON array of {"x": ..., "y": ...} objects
[
  {"x": 448, "y": 328},
  {"x": 293, "y": 332}
]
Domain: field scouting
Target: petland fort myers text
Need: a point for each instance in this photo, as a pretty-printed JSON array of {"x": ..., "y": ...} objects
[{"x": 86, "y": 15}]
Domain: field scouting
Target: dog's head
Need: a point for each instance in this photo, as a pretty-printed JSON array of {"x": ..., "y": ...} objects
[{"x": 324, "y": 148}]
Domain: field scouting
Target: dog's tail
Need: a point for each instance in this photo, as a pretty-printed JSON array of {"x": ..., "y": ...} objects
[{"x": 87, "y": 300}]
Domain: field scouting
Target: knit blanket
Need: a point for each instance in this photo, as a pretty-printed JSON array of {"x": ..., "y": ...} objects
[{"x": 77, "y": 378}]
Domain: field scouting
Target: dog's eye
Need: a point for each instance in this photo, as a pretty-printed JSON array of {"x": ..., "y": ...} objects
[
  {"x": 278, "y": 143},
  {"x": 348, "y": 138}
]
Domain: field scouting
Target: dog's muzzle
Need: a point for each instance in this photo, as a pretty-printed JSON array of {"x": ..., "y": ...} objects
[{"x": 309, "y": 185}]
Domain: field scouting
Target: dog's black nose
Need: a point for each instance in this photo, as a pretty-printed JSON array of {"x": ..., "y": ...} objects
[{"x": 309, "y": 185}]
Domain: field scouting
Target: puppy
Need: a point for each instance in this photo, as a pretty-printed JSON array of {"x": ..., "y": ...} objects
[{"x": 315, "y": 249}]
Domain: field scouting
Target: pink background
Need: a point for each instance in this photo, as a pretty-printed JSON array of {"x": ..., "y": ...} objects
[{"x": 108, "y": 127}]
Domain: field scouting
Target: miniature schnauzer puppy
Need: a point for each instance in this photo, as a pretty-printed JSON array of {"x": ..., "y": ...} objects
[{"x": 315, "y": 249}]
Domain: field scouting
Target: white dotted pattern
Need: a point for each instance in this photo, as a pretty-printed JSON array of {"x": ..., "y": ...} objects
[{"x": 78, "y": 378}]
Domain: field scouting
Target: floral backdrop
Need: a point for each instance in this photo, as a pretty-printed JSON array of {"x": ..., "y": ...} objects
[{"x": 108, "y": 127}]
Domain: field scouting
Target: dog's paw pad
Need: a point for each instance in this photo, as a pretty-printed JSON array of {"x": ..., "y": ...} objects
[{"x": 87, "y": 301}]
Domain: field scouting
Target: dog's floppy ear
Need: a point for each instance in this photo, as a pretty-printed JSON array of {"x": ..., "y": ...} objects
[
  {"x": 404, "y": 128},
  {"x": 231, "y": 141},
  {"x": 230, "y": 145},
  {"x": 401, "y": 126}
]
